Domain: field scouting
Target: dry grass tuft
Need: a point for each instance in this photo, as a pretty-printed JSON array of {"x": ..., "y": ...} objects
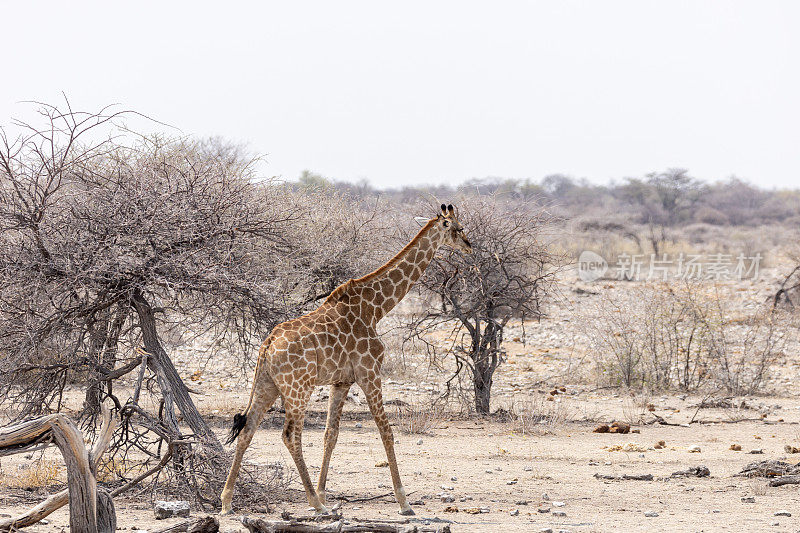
[
  {"x": 537, "y": 415},
  {"x": 40, "y": 473},
  {"x": 420, "y": 419}
]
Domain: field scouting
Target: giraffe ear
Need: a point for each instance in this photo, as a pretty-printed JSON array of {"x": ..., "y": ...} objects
[{"x": 421, "y": 220}]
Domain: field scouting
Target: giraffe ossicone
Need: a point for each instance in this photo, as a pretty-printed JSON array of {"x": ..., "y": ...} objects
[{"x": 337, "y": 344}]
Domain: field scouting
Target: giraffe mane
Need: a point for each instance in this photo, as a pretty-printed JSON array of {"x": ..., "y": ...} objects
[{"x": 341, "y": 290}]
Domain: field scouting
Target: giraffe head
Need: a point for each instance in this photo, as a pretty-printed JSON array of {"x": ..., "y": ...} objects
[{"x": 452, "y": 232}]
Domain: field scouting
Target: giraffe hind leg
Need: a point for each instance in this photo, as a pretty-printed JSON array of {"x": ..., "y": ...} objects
[{"x": 247, "y": 424}]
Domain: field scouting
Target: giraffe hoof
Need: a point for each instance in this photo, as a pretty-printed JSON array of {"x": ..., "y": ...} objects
[{"x": 407, "y": 512}]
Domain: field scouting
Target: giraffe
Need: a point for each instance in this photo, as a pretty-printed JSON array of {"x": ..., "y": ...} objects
[{"x": 337, "y": 344}]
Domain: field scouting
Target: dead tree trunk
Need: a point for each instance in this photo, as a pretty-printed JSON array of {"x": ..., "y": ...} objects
[
  {"x": 103, "y": 342},
  {"x": 172, "y": 387},
  {"x": 90, "y": 511}
]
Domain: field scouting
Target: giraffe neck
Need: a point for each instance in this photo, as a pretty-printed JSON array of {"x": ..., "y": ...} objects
[{"x": 384, "y": 288}]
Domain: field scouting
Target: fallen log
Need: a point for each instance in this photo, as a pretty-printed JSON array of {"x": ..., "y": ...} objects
[
  {"x": 769, "y": 468},
  {"x": 626, "y": 477},
  {"x": 90, "y": 510},
  {"x": 258, "y": 525},
  {"x": 785, "y": 480},
  {"x": 696, "y": 471},
  {"x": 209, "y": 524}
]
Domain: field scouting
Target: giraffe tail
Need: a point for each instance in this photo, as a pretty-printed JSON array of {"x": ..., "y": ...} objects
[{"x": 239, "y": 420}]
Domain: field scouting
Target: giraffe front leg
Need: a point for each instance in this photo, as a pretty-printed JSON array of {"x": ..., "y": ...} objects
[
  {"x": 372, "y": 391},
  {"x": 335, "y": 404}
]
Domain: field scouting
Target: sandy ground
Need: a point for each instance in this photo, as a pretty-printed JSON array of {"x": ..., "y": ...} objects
[{"x": 488, "y": 465}]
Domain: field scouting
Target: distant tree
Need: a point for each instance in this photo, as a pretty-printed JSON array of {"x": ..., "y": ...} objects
[
  {"x": 662, "y": 200},
  {"x": 312, "y": 180},
  {"x": 509, "y": 275},
  {"x": 558, "y": 185},
  {"x": 737, "y": 200},
  {"x": 677, "y": 193}
]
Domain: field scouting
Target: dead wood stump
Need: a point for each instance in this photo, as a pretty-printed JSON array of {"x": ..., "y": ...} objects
[{"x": 90, "y": 510}]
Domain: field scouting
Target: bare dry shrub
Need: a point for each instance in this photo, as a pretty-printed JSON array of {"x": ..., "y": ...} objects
[
  {"x": 419, "y": 418},
  {"x": 537, "y": 415},
  {"x": 635, "y": 408},
  {"x": 685, "y": 336},
  {"x": 258, "y": 485},
  {"x": 744, "y": 351}
]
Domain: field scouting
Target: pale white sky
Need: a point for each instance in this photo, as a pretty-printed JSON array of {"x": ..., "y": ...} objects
[{"x": 412, "y": 92}]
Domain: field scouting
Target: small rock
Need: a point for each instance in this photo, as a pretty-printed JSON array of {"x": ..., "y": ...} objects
[
  {"x": 651, "y": 514},
  {"x": 559, "y": 504},
  {"x": 543, "y": 510},
  {"x": 791, "y": 449},
  {"x": 522, "y": 502},
  {"x": 528, "y": 469},
  {"x": 545, "y": 496},
  {"x": 488, "y": 471},
  {"x": 514, "y": 512},
  {"x": 419, "y": 442},
  {"x": 546, "y": 530},
  {"x": 454, "y": 478},
  {"x": 448, "y": 498},
  {"x": 694, "y": 449},
  {"x": 359, "y": 425},
  {"x": 451, "y": 509},
  {"x": 783, "y": 513},
  {"x": 512, "y": 482},
  {"x": 445, "y": 487},
  {"x": 164, "y": 509},
  {"x": 484, "y": 510},
  {"x": 757, "y": 451},
  {"x": 748, "y": 499},
  {"x": 775, "y": 524},
  {"x": 561, "y": 514},
  {"x": 736, "y": 447}
]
